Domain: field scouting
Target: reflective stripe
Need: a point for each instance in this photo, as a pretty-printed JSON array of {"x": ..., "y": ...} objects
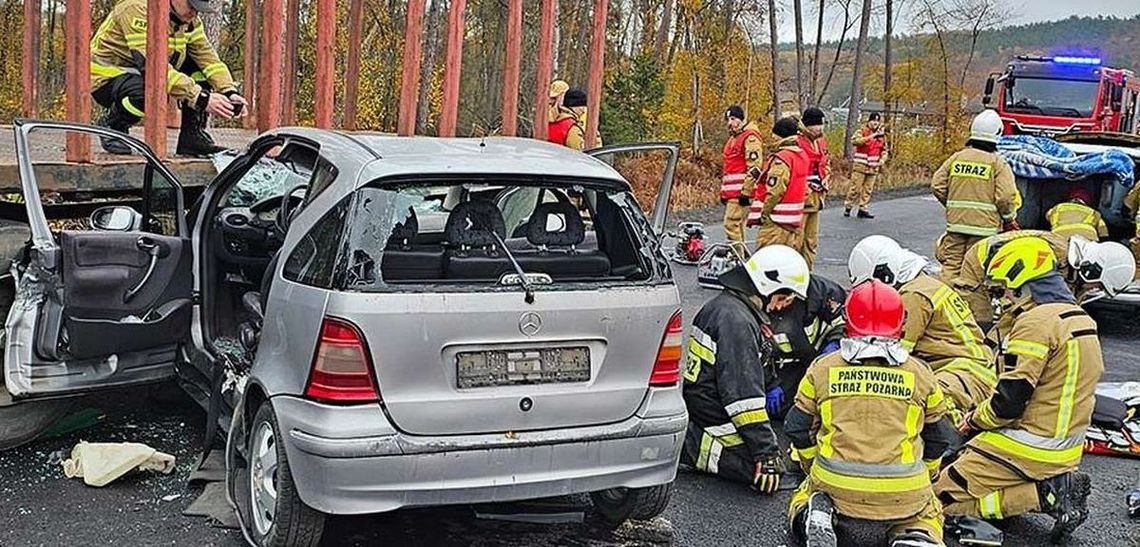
[
  {"x": 932, "y": 466},
  {"x": 1027, "y": 348},
  {"x": 213, "y": 69},
  {"x": 805, "y": 453},
  {"x": 126, "y": 102},
  {"x": 755, "y": 213},
  {"x": 787, "y": 219},
  {"x": 172, "y": 77},
  {"x": 744, "y": 405},
  {"x": 935, "y": 398},
  {"x": 751, "y": 417},
  {"x": 737, "y": 187},
  {"x": 715, "y": 450},
  {"x": 976, "y": 205},
  {"x": 971, "y": 230},
  {"x": 989, "y": 505},
  {"x": 907, "y": 344},
  {"x": 721, "y": 430},
  {"x": 700, "y": 351},
  {"x": 136, "y": 40},
  {"x": 807, "y": 388},
  {"x": 948, "y": 303},
  {"x": 199, "y": 33},
  {"x": 975, "y": 368},
  {"x": 985, "y": 417},
  {"x": 703, "y": 455},
  {"x": 826, "y": 430},
  {"x": 733, "y": 177},
  {"x": 913, "y": 414},
  {"x": 1039, "y": 449},
  {"x": 110, "y": 71},
  {"x": 1068, "y": 391},
  {"x": 857, "y": 469},
  {"x": 869, "y": 484}
]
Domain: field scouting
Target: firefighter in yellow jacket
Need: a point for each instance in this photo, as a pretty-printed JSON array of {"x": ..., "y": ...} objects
[
  {"x": 876, "y": 469},
  {"x": 778, "y": 200},
  {"x": 977, "y": 188},
  {"x": 939, "y": 328},
  {"x": 195, "y": 76},
  {"x": 1028, "y": 436},
  {"x": 1132, "y": 203},
  {"x": 1075, "y": 217}
]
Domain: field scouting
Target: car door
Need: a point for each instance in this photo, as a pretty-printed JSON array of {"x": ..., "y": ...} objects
[
  {"x": 103, "y": 304},
  {"x": 617, "y": 155}
]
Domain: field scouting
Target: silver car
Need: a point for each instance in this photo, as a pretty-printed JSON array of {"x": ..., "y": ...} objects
[{"x": 376, "y": 322}]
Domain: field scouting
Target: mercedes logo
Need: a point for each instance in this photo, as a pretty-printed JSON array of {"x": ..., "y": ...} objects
[{"x": 530, "y": 323}]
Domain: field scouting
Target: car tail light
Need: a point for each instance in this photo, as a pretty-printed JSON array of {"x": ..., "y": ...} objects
[
  {"x": 342, "y": 369},
  {"x": 667, "y": 368}
]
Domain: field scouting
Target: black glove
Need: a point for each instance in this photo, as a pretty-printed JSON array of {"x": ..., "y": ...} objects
[
  {"x": 766, "y": 477},
  {"x": 744, "y": 201},
  {"x": 723, "y": 201}
]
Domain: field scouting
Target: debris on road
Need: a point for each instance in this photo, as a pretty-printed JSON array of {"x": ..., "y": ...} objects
[{"x": 101, "y": 463}]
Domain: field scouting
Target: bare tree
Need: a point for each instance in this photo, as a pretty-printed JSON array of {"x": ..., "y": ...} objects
[
  {"x": 662, "y": 39},
  {"x": 857, "y": 84},
  {"x": 427, "y": 66},
  {"x": 815, "y": 56},
  {"x": 888, "y": 61},
  {"x": 936, "y": 20},
  {"x": 978, "y": 16},
  {"x": 799, "y": 15},
  {"x": 775, "y": 42},
  {"x": 848, "y": 24}
]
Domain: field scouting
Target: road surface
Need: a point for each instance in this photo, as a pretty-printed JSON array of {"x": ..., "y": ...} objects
[{"x": 43, "y": 508}]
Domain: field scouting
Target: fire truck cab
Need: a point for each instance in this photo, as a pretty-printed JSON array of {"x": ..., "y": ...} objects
[{"x": 1051, "y": 96}]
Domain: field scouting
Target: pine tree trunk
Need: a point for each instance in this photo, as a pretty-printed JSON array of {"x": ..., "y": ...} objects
[
  {"x": 775, "y": 41},
  {"x": 857, "y": 84}
]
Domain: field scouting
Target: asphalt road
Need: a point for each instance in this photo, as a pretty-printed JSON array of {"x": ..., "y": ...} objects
[{"x": 41, "y": 507}]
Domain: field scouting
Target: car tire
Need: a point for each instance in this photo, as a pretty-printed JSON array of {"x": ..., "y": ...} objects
[
  {"x": 282, "y": 519},
  {"x": 617, "y": 505},
  {"x": 22, "y": 423}
]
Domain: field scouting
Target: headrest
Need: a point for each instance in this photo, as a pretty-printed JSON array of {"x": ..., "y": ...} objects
[
  {"x": 555, "y": 224},
  {"x": 406, "y": 230},
  {"x": 474, "y": 223}
]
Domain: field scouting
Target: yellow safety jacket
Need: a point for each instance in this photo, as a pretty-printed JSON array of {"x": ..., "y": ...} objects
[
  {"x": 941, "y": 330},
  {"x": 1132, "y": 202},
  {"x": 978, "y": 190},
  {"x": 972, "y": 277},
  {"x": 122, "y": 35},
  {"x": 868, "y": 454},
  {"x": 1071, "y": 219},
  {"x": 1054, "y": 349}
]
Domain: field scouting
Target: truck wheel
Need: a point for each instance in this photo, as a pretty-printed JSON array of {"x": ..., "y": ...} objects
[
  {"x": 617, "y": 505},
  {"x": 279, "y": 517}
]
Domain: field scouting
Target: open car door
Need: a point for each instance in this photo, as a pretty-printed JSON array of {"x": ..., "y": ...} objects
[
  {"x": 104, "y": 290},
  {"x": 666, "y": 153}
]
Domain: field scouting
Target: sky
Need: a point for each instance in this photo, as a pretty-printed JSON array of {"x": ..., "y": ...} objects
[{"x": 1025, "y": 11}]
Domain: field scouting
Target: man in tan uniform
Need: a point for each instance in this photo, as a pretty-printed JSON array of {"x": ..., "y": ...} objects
[
  {"x": 866, "y": 162},
  {"x": 977, "y": 188},
  {"x": 1075, "y": 217},
  {"x": 1029, "y": 435},
  {"x": 877, "y": 469},
  {"x": 778, "y": 203},
  {"x": 939, "y": 327},
  {"x": 814, "y": 144},
  {"x": 743, "y": 164}
]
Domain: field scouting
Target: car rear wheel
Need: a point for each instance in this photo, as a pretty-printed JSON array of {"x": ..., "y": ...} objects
[
  {"x": 279, "y": 517},
  {"x": 617, "y": 505},
  {"x": 21, "y": 423}
]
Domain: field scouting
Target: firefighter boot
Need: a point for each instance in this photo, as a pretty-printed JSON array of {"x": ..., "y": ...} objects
[
  {"x": 192, "y": 137},
  {"x": 816, "y": 523},
  {"x": 915, "y": 538},
  {"x": 117, "y": 121},
  {"x": 863, "y": 213},
  {"x": 972, "y": 531},
  {"x": 1065, "y": 498}
]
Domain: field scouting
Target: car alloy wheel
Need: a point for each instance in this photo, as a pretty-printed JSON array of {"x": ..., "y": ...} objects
[{"x": 263, "y": 478}]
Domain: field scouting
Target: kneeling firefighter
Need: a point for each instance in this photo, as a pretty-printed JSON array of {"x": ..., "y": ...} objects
[
  {"x": 729, "y": 432},
  {"x": 939, "y": 327},
  {"x": 1029, "y": 434},
  {"x": 875, "y": 469}
]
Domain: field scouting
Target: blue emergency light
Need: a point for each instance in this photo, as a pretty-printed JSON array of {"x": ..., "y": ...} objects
[{"x": 1091, "y": 61}]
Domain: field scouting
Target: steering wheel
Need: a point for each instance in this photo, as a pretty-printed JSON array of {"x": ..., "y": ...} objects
[{"x": 285, "y": 212}]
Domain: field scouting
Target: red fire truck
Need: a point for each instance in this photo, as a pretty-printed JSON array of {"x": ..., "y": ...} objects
[{"x": 1051, "y": 96}]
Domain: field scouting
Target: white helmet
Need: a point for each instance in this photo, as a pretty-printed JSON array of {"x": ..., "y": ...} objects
[
  {"x": 1109, "y": 263},
  {"x": 777, "y": 267},
  {"x": 869, "y": 254},
  {"x": 987, "y": 127}
]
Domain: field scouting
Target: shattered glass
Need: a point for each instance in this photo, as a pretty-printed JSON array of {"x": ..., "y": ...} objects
[{"x": 266, "y": 179}]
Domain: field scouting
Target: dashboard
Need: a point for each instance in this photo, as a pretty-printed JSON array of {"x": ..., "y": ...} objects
[{"x": 249, "y": 236}]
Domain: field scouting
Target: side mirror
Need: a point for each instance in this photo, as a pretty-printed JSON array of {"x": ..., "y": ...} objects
[
  {"x": 987, "y": 96},
  {"x": 116, "y": 218}
]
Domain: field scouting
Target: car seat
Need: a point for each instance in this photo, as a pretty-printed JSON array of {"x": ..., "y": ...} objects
[
  {"x": 404, "y": 260},
  {"x": 472, "y": 235},
  {"x": 556, "y": 231}
]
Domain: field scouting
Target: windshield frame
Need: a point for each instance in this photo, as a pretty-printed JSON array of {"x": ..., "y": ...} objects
[{"x": 1054, "y": 110}]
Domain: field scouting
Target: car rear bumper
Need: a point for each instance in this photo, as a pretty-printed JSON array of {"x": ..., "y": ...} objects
[{"x": 349, "y": 460}]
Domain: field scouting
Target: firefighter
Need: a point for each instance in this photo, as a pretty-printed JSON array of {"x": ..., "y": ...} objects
[
  {"x": 729, "y": 432},
  {"x": 870, "y": 153},
  {"x": 977, "y": 188},
  {"x": 812, "y": 141},
  {"x": 565, "y": 129},
  {"x": 1027, "y": 437},
  {"x": 743, "y": 162},
  {"x": 1075, "y": 217},
  {"x": 195, "y": 76},
  {"x": 558, "y": 89},
  {"x": 1091, "y": 269},
  {"x": 876, "y": 469},
  {"x": 778, "y": 203},
  {"x": 939, "y": 327},
  {"x": 1132, "y": 203}
]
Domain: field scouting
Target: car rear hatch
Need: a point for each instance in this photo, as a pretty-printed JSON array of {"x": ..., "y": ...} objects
[{"x": 478, "y": 362}]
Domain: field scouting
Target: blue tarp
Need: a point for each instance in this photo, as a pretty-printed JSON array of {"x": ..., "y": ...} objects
[{"x": 1042, "y": 158}]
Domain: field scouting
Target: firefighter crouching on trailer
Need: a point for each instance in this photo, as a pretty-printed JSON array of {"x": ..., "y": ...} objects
[
  {"x": 814, "y": 145},
  {"x": 1030, "y": 432},
  {"x": 876, "y": 469},
  {"x": 195, "y": 76},
  {"x": 977, "y": 187},
  {"x": 729, "y": 433},
  {"x": 743, "y": 162},
  {"x": 1075, "y": 217},
  {"x": 1091, "y": 269},
  {"x": 778, "y": 200},
  {"x": 866, "y": 163},
  {"x": 939, "y": 328}
]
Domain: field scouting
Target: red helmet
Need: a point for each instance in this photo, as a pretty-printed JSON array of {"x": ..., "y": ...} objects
[
  {"x": 1081, "y": 194},
  {"x": 874, "y": 309}
]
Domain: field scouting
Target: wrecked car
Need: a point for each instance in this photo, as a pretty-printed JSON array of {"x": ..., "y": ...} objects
[{"x": 375, "y": 322}]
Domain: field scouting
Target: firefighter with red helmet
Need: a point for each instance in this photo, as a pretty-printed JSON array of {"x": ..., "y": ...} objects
[
  {"x": 1076, "y": 217},
  {"x": 812, "y": 141},
  {"x": 874, "y": 469},
  {"x": 743, "y": 162},
  {"x": 778, "y": 203}
]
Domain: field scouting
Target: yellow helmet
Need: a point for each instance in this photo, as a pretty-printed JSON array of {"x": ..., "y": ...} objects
[{"x": 1020, "y": 261}]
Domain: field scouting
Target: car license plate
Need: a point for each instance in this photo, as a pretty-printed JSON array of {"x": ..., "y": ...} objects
[{"x": 518, "y": 367}]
